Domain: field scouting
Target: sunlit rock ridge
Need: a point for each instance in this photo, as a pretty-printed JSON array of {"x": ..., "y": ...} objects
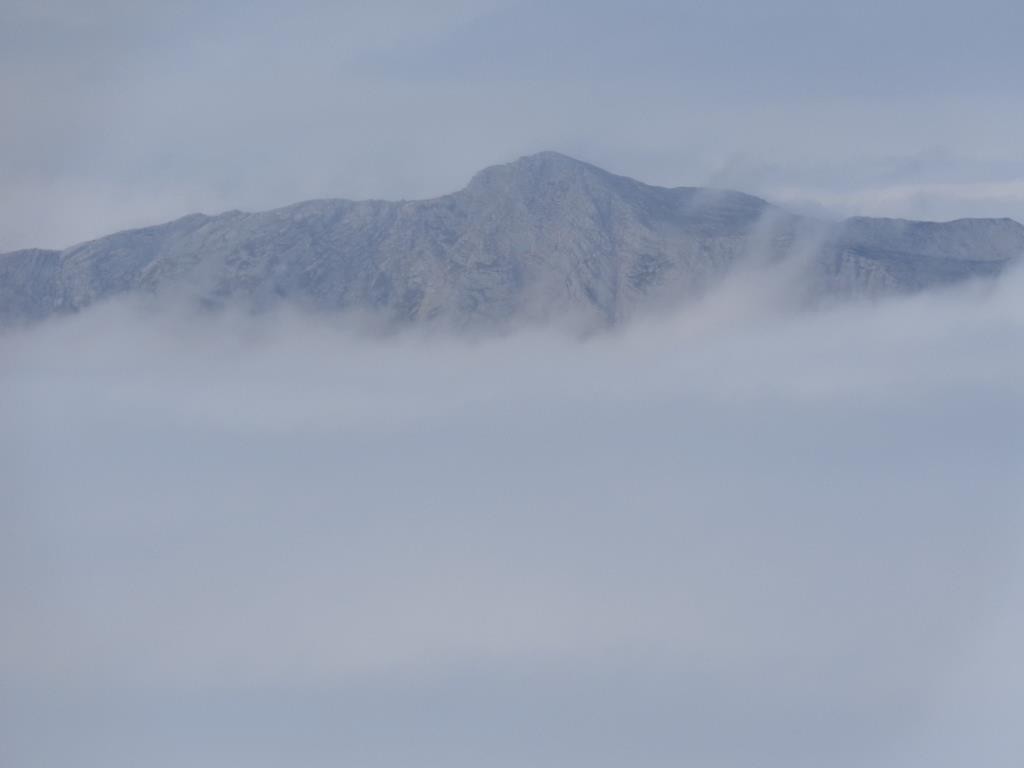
[{"x": 545, "y": 236}]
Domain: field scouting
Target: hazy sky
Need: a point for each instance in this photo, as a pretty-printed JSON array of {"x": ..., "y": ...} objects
[{"x": 120, "y": 113}]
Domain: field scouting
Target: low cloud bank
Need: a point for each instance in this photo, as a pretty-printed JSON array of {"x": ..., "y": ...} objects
[{"x": 734, "y": 537}]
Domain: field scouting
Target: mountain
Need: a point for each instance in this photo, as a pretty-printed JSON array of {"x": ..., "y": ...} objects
[{"x": 545, "y": 235}]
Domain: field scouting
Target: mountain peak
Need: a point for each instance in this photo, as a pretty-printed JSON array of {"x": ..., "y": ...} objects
[
  {"x": 548, "y": 158},
  {"x": 538, "y": 167}
]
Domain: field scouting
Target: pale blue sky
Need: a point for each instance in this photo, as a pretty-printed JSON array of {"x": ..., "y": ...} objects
[{"x": 121, "y": 113}]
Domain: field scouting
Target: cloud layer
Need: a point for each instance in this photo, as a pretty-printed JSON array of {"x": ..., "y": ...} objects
[{"x": 736, "y": 537}]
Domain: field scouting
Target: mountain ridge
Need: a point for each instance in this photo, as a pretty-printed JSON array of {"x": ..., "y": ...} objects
[{"x": 542, "y": 236}]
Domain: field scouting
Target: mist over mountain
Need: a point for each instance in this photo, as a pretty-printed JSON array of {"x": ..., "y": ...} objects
[
  {"x": 344, "y": 426},
  {"x": 543, "y": 237},
  {"x": 732, "y": 537}
]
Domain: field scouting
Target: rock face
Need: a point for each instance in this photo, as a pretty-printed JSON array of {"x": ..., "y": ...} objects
[{"x": 543, "y": 236}]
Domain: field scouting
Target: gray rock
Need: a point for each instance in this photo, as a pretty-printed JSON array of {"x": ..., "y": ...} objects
[{"x": 541, "y": 237}]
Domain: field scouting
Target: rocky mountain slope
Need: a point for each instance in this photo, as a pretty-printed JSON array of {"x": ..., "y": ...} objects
[{"x": 543, "y": 236}]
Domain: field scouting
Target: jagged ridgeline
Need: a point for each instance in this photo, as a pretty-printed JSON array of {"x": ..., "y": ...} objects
[{"x": 541, "y": 237}]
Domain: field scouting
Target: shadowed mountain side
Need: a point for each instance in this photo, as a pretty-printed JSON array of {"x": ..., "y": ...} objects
[{"x": 541, "y": 237}]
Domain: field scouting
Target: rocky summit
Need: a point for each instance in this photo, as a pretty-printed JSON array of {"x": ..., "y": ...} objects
[{"x": 542, "y": 237}]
